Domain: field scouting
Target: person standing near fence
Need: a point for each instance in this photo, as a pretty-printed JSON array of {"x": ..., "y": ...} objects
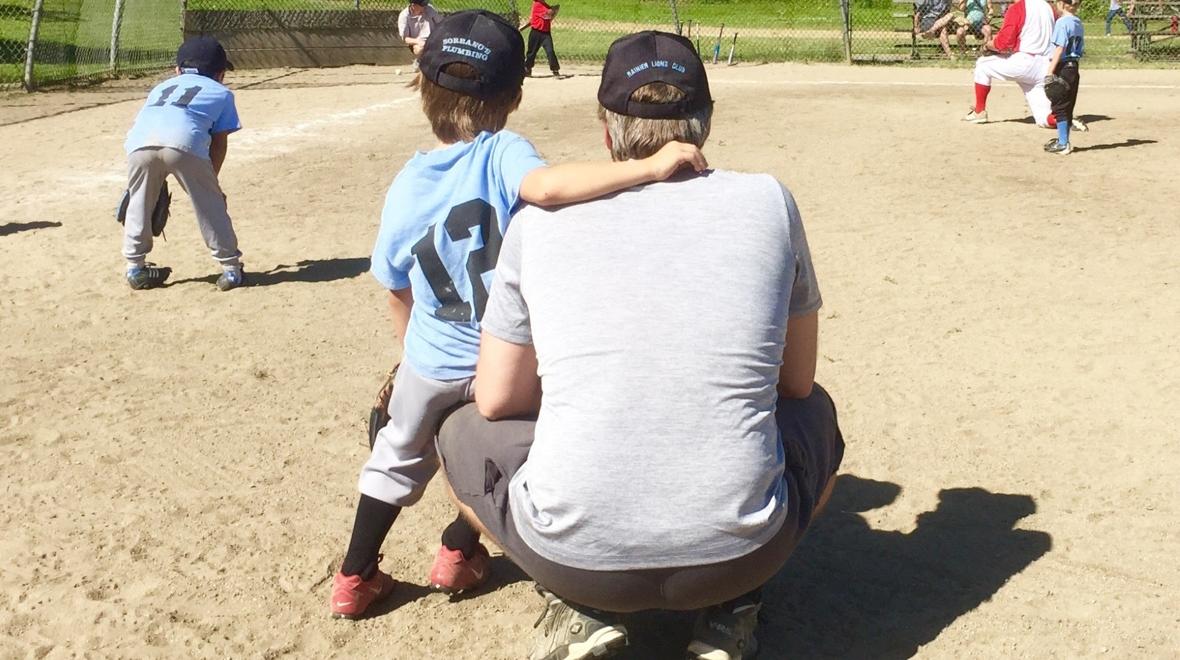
[
  {"x": 183, "y": 130},
  {"x": 541, "y": 36},
  {"x": 1116, "y": 9},
  {"x": 414, "y": 24}
]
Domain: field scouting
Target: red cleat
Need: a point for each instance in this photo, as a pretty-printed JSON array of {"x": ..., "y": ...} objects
[
  {"x": 453, "y": 573},
  {"x": 351, "y": 595}
]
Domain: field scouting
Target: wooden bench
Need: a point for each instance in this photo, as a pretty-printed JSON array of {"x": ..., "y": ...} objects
[
  {"x": 1153, "y": 21},
  {"x": 908, "y": 9}
]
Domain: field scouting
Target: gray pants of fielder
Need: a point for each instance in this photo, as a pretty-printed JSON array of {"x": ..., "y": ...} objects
[{"x": 146, "y": 170}]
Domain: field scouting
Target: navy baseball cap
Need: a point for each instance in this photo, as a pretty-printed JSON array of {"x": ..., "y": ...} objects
[
  {"x": 648, "y": 57},
  {"x": 484, "y": 40},
  {"x": 204, "y": 54}
]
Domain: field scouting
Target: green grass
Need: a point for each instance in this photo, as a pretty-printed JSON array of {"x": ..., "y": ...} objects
[
  {"x": 73, "y": 41},
  {"x": 75, "y": 34}
]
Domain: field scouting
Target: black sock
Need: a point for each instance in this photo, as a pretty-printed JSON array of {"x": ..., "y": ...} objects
[
  {"x": 373, "y": 520},
  {"x": 461, "y": 536}
]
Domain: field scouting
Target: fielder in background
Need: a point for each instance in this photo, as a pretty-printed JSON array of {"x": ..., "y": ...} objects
[
  {"x": 541, "y": 36},
  {"x": 1021, "y": 54},
  {"x": 183, "y": 130},
  {"x": 681, "y": 449},
  {"x": 1068, "y": 47},
  {"x": 439, "y": 241},
  {"x": 414, "y": 24}
]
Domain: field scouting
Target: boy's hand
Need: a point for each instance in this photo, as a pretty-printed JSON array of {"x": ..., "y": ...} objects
[{"x": 674, "y": 156}]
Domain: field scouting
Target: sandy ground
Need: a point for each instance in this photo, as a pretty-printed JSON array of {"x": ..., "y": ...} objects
[{"x": 178, "y": 466}]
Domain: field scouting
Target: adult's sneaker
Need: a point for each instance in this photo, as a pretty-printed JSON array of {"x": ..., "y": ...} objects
[
  {"x": 352, "y": 595},
  {"x": 231, "y": 278},
  {"x": 974, "y": 117},
  {"x": 147, "y": 276},
  {"x": 567, "y": 633},
  {"x": 453, "y": 573},
  {"x": 725, "y": 633},
  {"x": 1058, "y": 148}
]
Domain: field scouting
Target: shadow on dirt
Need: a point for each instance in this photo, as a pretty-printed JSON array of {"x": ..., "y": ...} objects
[
  {"x": 17, "y": 227},
  {"x": 1115, "y": 145},
  {"x": 308, "y": 270},
  {"x": 850, "y": 591}
]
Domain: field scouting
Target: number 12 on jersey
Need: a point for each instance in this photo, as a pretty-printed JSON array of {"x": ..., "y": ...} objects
[{"x": 460, "y": 225}]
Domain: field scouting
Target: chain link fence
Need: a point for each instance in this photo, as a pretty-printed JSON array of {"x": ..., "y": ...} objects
[
  {"x": 51, "y": 41},
  {"x": 44, "y": 42}
]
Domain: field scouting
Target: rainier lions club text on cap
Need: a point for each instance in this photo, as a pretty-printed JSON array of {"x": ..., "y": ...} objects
[
  {"x": 657, "y": 64},
  {"x": 464, "y": 47}
]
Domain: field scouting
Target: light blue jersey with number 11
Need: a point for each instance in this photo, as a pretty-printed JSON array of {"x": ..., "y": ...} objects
[
  {"x": 183, "y": 113},
  {"x": 441, "y": 228}
]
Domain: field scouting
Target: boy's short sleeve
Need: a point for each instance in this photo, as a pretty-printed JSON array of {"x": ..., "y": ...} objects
[
  {"x": 386, "y": 263},
  {"x": 805, "y": 297},
  {"x": 227, "y": 121},
  {"x": 1060, "y": 34},
  {"x": 516, "y": 157},
  {"x": 507, "y": 313}
]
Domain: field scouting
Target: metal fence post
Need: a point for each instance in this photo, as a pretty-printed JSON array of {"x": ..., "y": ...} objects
[
  {"x": 116, "y": 25},
  {"x": 35, "y": 25},
  {"x": 846, "y": 14},
  {"x": 675, "y": 15}
]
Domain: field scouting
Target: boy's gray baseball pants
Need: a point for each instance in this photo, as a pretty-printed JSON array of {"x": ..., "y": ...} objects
[{"x": 147, "y": 169}]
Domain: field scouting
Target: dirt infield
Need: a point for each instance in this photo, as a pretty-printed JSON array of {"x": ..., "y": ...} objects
[{"x": 179, "y": 466}]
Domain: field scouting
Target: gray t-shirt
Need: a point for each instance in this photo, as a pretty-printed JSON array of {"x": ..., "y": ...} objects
[{"x": 658, "y": 315}]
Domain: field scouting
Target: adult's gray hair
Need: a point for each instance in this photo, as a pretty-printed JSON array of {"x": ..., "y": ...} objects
[{"x": 635, "y": 137}]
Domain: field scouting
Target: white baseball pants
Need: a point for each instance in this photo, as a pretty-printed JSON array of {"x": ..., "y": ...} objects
[
  {"x": 404, "y": 457},
  {"x": 1025, "y": 70},
  {"x": 146, "y": 170}
]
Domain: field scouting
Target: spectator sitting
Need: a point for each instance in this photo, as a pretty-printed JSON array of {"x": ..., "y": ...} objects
[{"x": 932, "y": 19}]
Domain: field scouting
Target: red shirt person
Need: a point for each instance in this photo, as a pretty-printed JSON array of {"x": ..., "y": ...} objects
[{"x": 540, "y": 36}]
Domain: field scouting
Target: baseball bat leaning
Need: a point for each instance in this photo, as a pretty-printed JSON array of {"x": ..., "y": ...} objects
[
  {"x": 732, "y": 46},
  {"x": 717, "y": 46}
]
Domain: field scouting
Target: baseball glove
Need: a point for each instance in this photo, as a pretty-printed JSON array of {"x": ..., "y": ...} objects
[
  {"x": 1056, "y": 88},
  {"x": 159, "y": 213},
  {"x": 379, "y": 415}
]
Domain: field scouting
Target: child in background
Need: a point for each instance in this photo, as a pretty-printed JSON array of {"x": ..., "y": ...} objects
[
  {"x": 1068, "y": 46},
  {"x": 441, "y": 228},
  {"x": 183, "y": 130}
]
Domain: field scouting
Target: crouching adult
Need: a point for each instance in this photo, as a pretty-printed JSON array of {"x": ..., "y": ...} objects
[{"x": 681, "y": 449}]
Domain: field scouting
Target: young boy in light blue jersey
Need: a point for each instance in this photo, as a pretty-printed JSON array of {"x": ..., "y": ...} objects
[
  {"x": 183, "y": 130},
  {"x": 1068, "y": 47},
  {"x": 440, "y": 236}
]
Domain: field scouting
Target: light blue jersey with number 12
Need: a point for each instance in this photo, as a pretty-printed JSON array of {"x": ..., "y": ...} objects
[
  {"x": 183, "y": 113},
  {"x": 441, "y": 228}
]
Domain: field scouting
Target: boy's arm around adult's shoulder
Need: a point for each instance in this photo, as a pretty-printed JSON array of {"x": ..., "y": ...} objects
[{"x": 570, "y": 183}]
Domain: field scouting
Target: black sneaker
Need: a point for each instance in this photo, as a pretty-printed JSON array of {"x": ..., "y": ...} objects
[
  {"x": 573, "y": 634},
  {"x": 1057, "y": 148},
  {"x": 147, "y": 276},
  {"x": 231, "y": 279},
  {"x": 725, "y": 633}
]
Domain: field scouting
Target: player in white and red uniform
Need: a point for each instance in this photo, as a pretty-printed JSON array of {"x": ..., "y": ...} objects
[{"x": 1021, "y": 50}]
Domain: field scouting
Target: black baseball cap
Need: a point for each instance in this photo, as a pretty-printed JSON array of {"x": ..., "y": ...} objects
[
  {"x": 647, "y": 57},
  {"x": 484, "y": 40},
  {"x": 205, "y": 55}
]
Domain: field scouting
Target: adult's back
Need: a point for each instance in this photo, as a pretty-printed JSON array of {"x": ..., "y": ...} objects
[{"x": 666, "y": 306}]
